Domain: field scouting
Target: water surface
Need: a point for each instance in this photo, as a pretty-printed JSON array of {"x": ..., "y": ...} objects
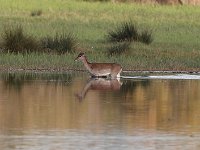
[{"x": 71, "y": 111}]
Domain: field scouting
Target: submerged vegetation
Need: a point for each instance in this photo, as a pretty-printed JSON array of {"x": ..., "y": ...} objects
[{"x": 170, "y": 35}]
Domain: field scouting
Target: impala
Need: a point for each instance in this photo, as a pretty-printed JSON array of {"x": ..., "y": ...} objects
[{"x": 101, "y": 69}]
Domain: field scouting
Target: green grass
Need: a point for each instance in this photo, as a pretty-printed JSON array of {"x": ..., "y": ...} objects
[
  {"x": 140, "y": 60},
  {"x": 176, "y": 32},
  {"x": 118, "y": 48},
  {"x": 36, "y": 13},
  {"x": 60, "y": 43},
  {"x": 14, "y": 40}
]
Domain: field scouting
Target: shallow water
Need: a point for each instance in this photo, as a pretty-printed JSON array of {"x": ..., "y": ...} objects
[{"x": 71, "y": 111}]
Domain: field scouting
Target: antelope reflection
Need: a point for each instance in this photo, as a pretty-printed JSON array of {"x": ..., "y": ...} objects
[{"x": 101, "y": 84}]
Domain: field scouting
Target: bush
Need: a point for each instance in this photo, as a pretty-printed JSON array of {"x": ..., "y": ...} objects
[
  {"x": 14, "y": 40},
  {"x": 127, "y": 31},
  {"x": 61, "y": 43},
  {"x": 122, "y": 37}
]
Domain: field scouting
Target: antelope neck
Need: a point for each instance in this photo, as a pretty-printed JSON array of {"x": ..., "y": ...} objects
[{"x": 86, "y": 63}]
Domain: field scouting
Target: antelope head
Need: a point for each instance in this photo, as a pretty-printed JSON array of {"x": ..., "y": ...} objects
[{"x": 80, "y": 56}]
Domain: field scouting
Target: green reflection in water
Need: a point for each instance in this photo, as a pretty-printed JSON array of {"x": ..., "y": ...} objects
[{"x": 17, "y": 80}]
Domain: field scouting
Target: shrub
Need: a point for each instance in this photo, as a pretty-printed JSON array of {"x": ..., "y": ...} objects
[
  {"x": 14, "y": 40},
  {"x": 127, "y": 31},
  {"x": 36, "y": 13},
  {"x": 146, "y": 37},
  {"x": 119, "y": 48},
  {"x": 122, "y": 36},
  {"x": 62, "y": 43}
]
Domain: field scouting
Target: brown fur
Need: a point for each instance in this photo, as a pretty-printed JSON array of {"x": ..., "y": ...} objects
[{"x": 101, "y": 69}]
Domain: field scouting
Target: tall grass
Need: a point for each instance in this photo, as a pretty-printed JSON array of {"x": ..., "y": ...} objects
[
  {"x": 128, "y": 31},
  {"x": 139, "y": 59},
  {"x": 124, "y": 34},
  {"x": 15, "y": 40},
  {"x": 62, "y": 43}
]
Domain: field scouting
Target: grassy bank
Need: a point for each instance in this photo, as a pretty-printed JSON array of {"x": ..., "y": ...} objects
[
  {"x": 176, "y": 33},
  {"x": 139, "y": 60}
]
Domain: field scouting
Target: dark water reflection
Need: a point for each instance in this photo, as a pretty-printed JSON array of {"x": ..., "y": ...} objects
[{"x": 71, "y": 111}]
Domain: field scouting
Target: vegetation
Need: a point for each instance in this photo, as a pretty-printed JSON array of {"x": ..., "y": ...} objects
[
  {"x": 119, "y": 48},
  {"x": 97, "y": 0},
  {"x": 146, "y": 37},
  {"x": 124, "y": 35},
  {"x": 61, "y": 43},
  {"x": 180, "y": 2},
  {"x": 36, "y": 13},
  {"x": 139, "y": 60},
  {"x": 14, "y": 40},
  {"x": 129, "y": 32},
  {"x": 126, "y": 32},
  {"x": 175, "y": 33}
]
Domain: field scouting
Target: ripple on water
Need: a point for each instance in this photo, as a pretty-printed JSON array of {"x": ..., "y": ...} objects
[{"x": 63, "y": 140}]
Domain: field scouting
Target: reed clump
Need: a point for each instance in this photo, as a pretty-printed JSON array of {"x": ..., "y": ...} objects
[
  {"x": 62, "y": 43},
  {"x": 15, "y": 40},
  {"x": 128, "y": 31},
  {"x": 123, "y": 35}
]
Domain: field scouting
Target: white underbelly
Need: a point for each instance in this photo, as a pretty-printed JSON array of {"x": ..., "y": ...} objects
[{"x": 101, "y": 73}]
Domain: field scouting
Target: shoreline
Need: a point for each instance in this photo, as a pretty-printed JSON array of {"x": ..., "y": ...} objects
[{"x": 43, "y": 70}]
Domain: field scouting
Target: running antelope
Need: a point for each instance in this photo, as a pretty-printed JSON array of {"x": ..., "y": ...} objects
[{"x": 101, "y": 69}]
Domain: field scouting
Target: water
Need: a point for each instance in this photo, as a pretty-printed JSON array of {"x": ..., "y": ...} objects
[{"x": 71, "y": 111}]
